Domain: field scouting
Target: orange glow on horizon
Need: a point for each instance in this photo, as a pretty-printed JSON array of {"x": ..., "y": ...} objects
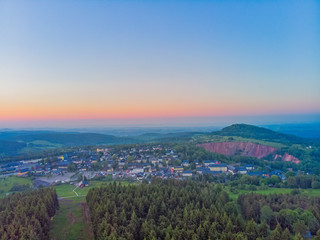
[{"x": 28, "y": 114}]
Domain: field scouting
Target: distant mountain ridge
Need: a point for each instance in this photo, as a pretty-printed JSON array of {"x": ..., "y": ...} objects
[
  {"x": 18, "y": 142},
  {"x": 260, "y": 133},
  {"x": 73, "y": 138},
  {"x": 12, "y": 143}
]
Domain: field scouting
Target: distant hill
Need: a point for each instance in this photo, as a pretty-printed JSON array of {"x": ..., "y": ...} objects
[
  {"x": 10, "y": 147},
  {"x": 250, "y": 131},
  {"x": 21, "y": 142},
  {"x": 310, "y": 130},
  {"x": 16, "y": 142},
  {"x": 74, "y": 138},
  {"x": 12, "y": 135},
  {"x": 167, "y": 137}
]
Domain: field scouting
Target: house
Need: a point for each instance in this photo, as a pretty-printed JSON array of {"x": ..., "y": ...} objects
[
  {"x": 84, "y": 183},
  {"x": 137, "y": 170},
  {"x": 186, "y": 173},
  {"x": 232, "y": 169},
  {"x": 206, "y": 163},
  {"x": 242, "y": 170},
  {"x": 185, "y": 163},
  {"x": 201, "y": 170},
  {"x": 10, "y": 170},
  {"x": 110, "y": 169},
  {"x": 198, "y": 164},
  {"x": 23, "y": 172},
  {"x": 63, "y": 165},
  {"x": 155, "y": 161},
  {"x": 139, "y": 176},
  {"x": 249, "y": 167},
  {"x": 177, "y": 169},
  {"x": 56, "y": 172},
  {"x": 218, "y": 167},
  {"x": 146, "y": 165}
]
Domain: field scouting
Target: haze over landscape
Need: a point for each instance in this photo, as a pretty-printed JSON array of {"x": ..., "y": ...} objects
[
  {"x": 66, "y": 64},
  {"x": 159, "y": 120}
]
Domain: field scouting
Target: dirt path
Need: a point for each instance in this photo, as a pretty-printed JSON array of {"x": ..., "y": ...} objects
[
  {"x": 85, "y": 212},
  {"x": 86, "y": 219},
  {"x": 71, "y": 217}
]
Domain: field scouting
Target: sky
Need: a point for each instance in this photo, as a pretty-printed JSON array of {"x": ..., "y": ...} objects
[{"x": 80, "y": 63}]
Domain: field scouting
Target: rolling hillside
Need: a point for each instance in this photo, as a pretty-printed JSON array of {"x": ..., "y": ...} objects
[
  {"x": 26, "y": 141},
  {"x": 21, "y": 142},
  {"x": 259, "y": 133}
]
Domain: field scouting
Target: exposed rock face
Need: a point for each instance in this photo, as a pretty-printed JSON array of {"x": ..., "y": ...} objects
[
  {"x": 247, "y": 149},
  {"x": 289, "y": 158},
  {"x": 239, "y": 148}
]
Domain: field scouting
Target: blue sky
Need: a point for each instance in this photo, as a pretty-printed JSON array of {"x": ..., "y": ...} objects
[{"x": 106, "y": 61}]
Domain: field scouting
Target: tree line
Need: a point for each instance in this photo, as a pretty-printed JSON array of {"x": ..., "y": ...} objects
[
  {"x": 295, "y": 212},
  {"x": 27, "y": 215},
  {"x": 175, "y": 210}
]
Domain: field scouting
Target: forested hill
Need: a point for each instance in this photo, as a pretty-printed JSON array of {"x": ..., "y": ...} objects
[
  {"x": 27, "y": 215},
  {"x": 21, "y": 142},
  {"x": 254, "y": 132},
  {"x": 10, "y": 147},
  {"x": 169, "y": 209},
  {"x": 71, "y": 139}
]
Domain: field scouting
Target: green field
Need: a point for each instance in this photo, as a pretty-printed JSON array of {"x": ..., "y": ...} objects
[
  {"x": 306, "y": 192},
  {"x": 217, "y": 138},
  {"x": 7, "y": 183},
  {"x": 71, "y": 221},
  {"x": 66, "y": 190}
]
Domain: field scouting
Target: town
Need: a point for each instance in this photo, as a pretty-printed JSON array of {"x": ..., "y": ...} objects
[{"x": 134, "y": 163}]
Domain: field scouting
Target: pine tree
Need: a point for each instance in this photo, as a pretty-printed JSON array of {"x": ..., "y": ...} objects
[
  {"x": 285, "y": 234},
  {"x": 276, "y": 233},
  {"x": 317, "y": 237},
  {"x": 251, "y": 230},
  {"x": 298, "y": 237}
]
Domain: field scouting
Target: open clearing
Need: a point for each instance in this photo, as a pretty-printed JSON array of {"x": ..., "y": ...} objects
[
  {"x": 6, "y": 183},
  {"x": 71, "y": 221},
  {"x": 66, "y": 190},
  {"x": 306, "y": 192}
]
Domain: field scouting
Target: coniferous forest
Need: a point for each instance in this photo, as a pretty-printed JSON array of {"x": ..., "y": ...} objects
[
  {"x": 27, "y": 215},
  {"x": 169, "y": 209}
]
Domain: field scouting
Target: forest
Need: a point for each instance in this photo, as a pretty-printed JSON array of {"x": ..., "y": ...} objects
[
  {"x": 171, "y": 209},
  {"x": 27, "y": 215}
]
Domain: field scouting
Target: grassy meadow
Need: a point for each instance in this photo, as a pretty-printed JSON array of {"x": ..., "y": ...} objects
[
  {"x": 217, "y": 138},
  {"x": 71, "y": 221},
  {"x": 306, "y": 192},
  {"x": 6, "y": 183},
  {"x": 66, "y": 190}
]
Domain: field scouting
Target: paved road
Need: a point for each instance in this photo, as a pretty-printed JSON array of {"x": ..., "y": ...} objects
[{"x": 75, "y": 191}]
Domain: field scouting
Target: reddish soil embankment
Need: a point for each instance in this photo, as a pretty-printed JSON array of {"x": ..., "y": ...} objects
[
  {"x": 289, "y": 158},
  {"x": 85, "y": 212},
  {"x": 246, "y": 149},
  {"x": 239, "y": 148}
]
